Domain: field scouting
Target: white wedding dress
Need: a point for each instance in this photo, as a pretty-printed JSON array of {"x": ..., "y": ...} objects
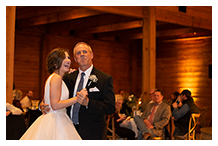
[{"x": 55, "y": 125}]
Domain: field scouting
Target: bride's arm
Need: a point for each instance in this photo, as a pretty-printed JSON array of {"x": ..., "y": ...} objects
[{"x": 55, "y": 94}]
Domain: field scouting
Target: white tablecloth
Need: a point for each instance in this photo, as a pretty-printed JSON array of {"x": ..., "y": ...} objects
[{"x": 130, "y": 124}]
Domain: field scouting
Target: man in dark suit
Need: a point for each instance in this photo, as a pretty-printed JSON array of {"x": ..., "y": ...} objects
[
  {"x": 100, "y": 101},
  {"x": 155, "y": 117}
]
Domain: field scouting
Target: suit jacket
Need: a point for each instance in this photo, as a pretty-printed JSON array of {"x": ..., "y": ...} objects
[
  {"x": 92, "y": 123},
  {"x": 161, "y": 117}
]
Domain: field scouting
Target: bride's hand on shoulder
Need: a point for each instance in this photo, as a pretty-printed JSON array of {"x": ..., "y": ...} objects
[{"x": 71, "y": 70}]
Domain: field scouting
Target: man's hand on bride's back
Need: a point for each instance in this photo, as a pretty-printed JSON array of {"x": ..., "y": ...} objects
[{"x": 44, "y": 107}]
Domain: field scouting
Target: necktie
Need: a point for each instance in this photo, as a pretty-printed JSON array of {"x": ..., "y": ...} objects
[
  {"x": 76, "y": 106},
  {"x": 152, "y": 114}
]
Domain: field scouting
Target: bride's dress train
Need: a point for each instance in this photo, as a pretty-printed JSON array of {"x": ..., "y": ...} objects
[{"x": 55, "y": 125}]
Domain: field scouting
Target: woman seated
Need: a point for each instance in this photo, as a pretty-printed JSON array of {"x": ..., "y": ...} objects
[
  {"x": 17, "y": 95},
  {"x": 118, "y": 119}
]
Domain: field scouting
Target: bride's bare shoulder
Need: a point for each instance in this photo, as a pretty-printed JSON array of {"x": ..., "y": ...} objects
[{"x": 56, "y": 78}]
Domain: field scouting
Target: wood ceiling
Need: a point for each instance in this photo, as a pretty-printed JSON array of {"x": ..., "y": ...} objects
[{"x": 115, "y": 23}]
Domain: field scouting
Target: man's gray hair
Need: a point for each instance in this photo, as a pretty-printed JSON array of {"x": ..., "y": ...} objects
[{"x": 82, "y": 43}]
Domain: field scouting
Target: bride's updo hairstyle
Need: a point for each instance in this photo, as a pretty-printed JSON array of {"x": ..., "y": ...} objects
[{"x": 55, "y": 58}]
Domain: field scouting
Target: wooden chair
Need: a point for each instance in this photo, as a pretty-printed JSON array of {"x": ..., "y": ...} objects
[
  {"x": 114, "y": 136},
  {"x": 163, "y": 137},
  {"x": 193, "y": 122},
  {"x": 203, "y": 113}
]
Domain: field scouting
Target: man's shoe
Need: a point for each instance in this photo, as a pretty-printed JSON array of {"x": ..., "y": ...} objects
[{"x": 146, "y": 136}]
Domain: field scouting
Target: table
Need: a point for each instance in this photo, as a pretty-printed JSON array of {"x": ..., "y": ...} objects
[
  {"x": 130, "y": 124},
  {"x": 206, "y": 133}
]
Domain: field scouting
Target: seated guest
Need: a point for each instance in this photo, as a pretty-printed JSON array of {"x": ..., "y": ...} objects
[
  {"x": 155, "y": 117},
  {"x": 125, "y": 109},
  {"x": 173, "y": 98},
  {"x": 26, "y": 101},
  {"x": 151, "y": 96},
  {"x": 182, "y": 114},
  {"x": 118, "y": 119},
  {"x": 10, "y": 109},
  {"x": 17, "y": 95},
  {"x": 121, "y": 91}
]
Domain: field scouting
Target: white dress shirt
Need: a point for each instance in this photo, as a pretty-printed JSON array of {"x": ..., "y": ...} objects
[
  {"x": 25, "y": 102},
  {"x": 86, "y": 78},
  {"x": 14, "y": 110}
]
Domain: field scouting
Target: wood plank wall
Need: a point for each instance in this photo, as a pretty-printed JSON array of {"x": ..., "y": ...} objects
[
  {"x": 184, "y": 64},
  {"x": 116, "y": 59},
  {"x": 27, "y": 62}
]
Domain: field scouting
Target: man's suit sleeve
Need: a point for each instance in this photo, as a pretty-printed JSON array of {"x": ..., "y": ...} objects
[
  {"x": 165, "y": 118},
  {"x": 106, "y": 105}
]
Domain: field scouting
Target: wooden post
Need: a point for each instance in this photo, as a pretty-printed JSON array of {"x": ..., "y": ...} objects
[
  {"x": 149, "y": 52},
  {"x": 10, "y": 35}
]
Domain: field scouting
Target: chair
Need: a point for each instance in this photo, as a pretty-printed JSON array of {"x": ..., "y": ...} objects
[
  {"x": 203, "y": 113},
  {"x": 163, "y": 137},
  {"x": 114, "y": 136},
  {"x": 15, "y": 127},
  {"x": 191, "y": 133},
  {"x": 193, "y": 122}
]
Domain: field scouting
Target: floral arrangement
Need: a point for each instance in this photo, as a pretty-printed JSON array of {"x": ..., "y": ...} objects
[{"x": 132, "y": 101}]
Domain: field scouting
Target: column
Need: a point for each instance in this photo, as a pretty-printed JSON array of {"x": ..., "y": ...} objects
[
  {"x": 149, "y": 52},
  {"x": 10, "y": 36}
]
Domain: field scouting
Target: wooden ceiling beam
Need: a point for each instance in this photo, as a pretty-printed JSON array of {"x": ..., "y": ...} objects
[
  {"x": 32, "y": 11},
  {"x": 118, "y": 33},
  {"x": 88, "y": 22},
  {"x": 132, "y": 11},
  {"x": 56, "y": 17},
  {"x": 174, "y": 32},
  {"x": 165, "y": 33},
  {"x": 112, "y": 27},
  {"x": 194, "y": 17},
  {"x": 183, "y": 18}
]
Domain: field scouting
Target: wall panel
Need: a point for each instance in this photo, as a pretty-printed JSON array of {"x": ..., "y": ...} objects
[
  {"x": 184, "y": 64},
  {"x": 26, "y": 62}
]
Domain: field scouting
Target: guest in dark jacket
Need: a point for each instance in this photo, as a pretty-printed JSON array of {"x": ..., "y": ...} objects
[
  {"x": 173, "y": 98},
  {"x": 125, "y": 109},
  {"x": 118, "y": 119},
  {"x": 182, "y": 114},
  {"x": 17, "y": 95}
]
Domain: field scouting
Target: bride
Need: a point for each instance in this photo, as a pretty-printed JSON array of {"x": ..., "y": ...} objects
[{"x": 55, "y": 124}]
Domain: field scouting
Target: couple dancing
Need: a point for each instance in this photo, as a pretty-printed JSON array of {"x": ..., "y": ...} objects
[{"x": 86, "y": 94}]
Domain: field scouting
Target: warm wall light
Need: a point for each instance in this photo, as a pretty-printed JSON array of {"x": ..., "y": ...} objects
[
  {"x": 195, "y": 99},
  {"x": 190, "y": 79}
]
